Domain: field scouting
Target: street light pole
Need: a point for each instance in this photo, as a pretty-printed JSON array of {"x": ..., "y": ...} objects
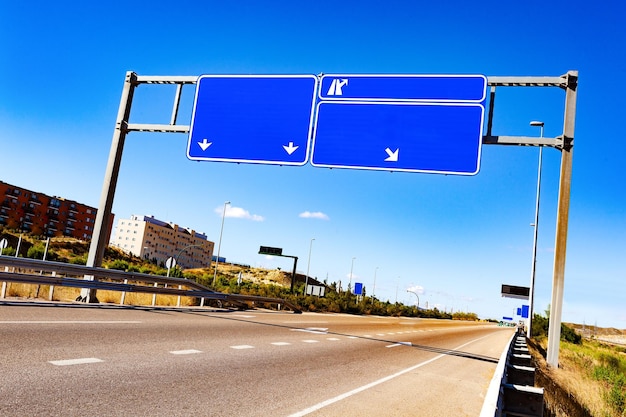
[
  {"x": 306, "y": 281},
  {"x": 351, "y": 268},
  {"x": 418, "y": 298},
  {"x": 535, "y": 233},
  {"x": 374, "y": 286},
  {"x": 219, "y": 246}
]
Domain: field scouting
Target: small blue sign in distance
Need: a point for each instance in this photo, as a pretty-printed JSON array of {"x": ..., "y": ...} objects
[
  {"x": 430, "y": 88},
  {"x": 358, "y": 288},
  {"x": 525, "y": 311},
  {"x": 265, "y": 119},
  {"x": 442, "y": 138}
]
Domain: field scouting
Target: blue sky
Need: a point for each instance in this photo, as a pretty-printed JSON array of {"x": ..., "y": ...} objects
[{"x": 455, "y": 239}]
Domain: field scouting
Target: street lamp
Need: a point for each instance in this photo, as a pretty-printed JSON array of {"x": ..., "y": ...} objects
[
  {"x": 219, "y": 245},
  {"x": 374, "y": 286},
  {"x": 418, "y": 298},
  {"x": 351, "y": 268},
  {"x": 306, "y": 282},
  {"x": 536, "y": 229}
]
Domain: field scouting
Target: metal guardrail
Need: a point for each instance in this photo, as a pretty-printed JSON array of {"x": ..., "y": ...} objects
[
  {"x": 65, "y": 275},
  {"x": 512, "y": 392}
]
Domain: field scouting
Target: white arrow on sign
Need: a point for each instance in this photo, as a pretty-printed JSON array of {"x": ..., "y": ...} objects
[
  {"x": 290, "y": 149},
  {"x": 205, "y": 144},
  {"x": 393, "y": 155}
]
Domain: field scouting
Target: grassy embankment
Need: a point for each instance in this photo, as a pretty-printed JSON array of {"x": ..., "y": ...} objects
[{"x": 592, "y": 372}]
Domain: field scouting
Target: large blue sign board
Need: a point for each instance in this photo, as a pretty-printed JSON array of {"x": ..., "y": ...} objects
[
  {"x": 451, "y": 88},
  {"x": 358, "y": 288},
  {"x": 264, "y": 119},
  {"x": 399, "y": 136}
]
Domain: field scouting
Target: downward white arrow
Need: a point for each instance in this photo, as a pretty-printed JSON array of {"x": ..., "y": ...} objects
[
  {"x": 205, "y": 144},
  {"x": 393, "y": 155},
  {"x": 290, "y": 149}
]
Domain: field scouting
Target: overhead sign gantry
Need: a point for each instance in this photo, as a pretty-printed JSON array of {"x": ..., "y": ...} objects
[{"x": 338, "y": 89}]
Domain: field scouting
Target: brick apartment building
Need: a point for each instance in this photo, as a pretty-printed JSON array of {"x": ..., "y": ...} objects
[
  {"x": 154, "y": 239},
  {"x": 42, "y": 215}
]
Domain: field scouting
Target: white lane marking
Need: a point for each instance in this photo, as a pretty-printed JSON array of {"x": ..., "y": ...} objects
[
  {"x": 353, "y": 337},
  {"x": 80, "y": 361},
  {"x": 70, "y": 322},
  {"x": 399, "y": 344},
  {"x": 244, "y": 316},
  {"x": 281, "y": 343},
  {"x": 380, "y": 334},
  {"x": 185, "y": 352},
  {"x": 332, "y": 338},
  {"x": 355, "y": 391},
  {"x": 310, "y": 341},
  {"x": 240, "y": 347},
  {"x": 314, "y": 330}
]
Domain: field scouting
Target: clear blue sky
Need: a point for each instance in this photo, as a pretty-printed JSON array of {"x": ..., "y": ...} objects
[{"x": 456, "y": 239}]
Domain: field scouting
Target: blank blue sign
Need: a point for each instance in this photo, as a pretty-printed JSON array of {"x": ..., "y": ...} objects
[
  {"x": 264, "y": 119},
  {"x": 525, "y": 311},
  {"x": 401, "y": 87},
  {"x": 358, "y": 288},
  {"x": 441, "y": 138}
]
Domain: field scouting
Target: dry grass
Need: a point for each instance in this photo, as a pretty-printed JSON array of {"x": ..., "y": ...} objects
[{"x": 576, "y": 374}]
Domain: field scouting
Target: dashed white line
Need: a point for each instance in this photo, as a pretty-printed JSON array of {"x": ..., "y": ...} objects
[
  {"x": 185, "y": 352},
  {"x": 80, "y": 361},
  {"x": 241, "y": 347},
  {"x": 332, "y": 338},
  {"x": 310, "y": 341},
  {"x": 281, "y": 344}
]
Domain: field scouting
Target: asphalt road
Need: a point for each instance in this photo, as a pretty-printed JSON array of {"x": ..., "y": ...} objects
[{"x": 105, "y": 361}]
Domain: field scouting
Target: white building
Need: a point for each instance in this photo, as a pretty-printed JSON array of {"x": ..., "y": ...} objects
[{"x": 150, "y": 238}]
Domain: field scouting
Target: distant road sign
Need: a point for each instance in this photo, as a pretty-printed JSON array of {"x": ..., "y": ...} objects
[
  {"x": 358, "y": 288},
  {"x": 513, "y": 291},
  {"x": 404, "y": 87},
  {"x": 268, "y": 250},
  {"x": 400, "y": 136},
  {"x": 264, "y": 119}
]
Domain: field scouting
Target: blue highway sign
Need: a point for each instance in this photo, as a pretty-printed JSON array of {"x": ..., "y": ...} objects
[
  {"x": 439, "y": 88},
  {"x": 441, "y": 138},
  {"x": 265, "y": 119}
]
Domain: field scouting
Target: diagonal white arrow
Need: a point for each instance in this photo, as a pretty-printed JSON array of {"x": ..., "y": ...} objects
[
  {"x": 290, "y": 149},
  {"x": 393, "y": 155},
  {"x": 205, "y": 144}
]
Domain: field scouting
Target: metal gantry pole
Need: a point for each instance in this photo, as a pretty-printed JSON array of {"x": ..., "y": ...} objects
[
  {"x": 103, "y": 217},
  {"x": 558, "y": 279}
]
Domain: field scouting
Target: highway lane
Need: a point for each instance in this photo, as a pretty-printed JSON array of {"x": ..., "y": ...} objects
[{"x": 250, "y": 363}]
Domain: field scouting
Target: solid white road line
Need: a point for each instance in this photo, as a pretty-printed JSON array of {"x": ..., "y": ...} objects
[
  {"x": 355, "y": 391},
  {"x": 81, "y": 361},
  {"x": 185, "y": 352}
]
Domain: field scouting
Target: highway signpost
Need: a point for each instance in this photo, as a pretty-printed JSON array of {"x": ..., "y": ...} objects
[
  {"x": 264, "y": 119},
  {"x": 226, "y": 126}
]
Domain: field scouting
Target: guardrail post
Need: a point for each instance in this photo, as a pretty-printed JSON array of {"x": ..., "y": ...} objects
[
  {"x": 51, "y": 292},
  {"x": 123, "y": 297},
  {"x": 154, "y": 295}
]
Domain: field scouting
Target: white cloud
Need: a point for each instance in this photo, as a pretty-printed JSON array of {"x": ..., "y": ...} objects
[
  {"x": 416, "y": 289},
  {"x": 313, "y": 215},
  {"x": 238, "y": 213}
]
